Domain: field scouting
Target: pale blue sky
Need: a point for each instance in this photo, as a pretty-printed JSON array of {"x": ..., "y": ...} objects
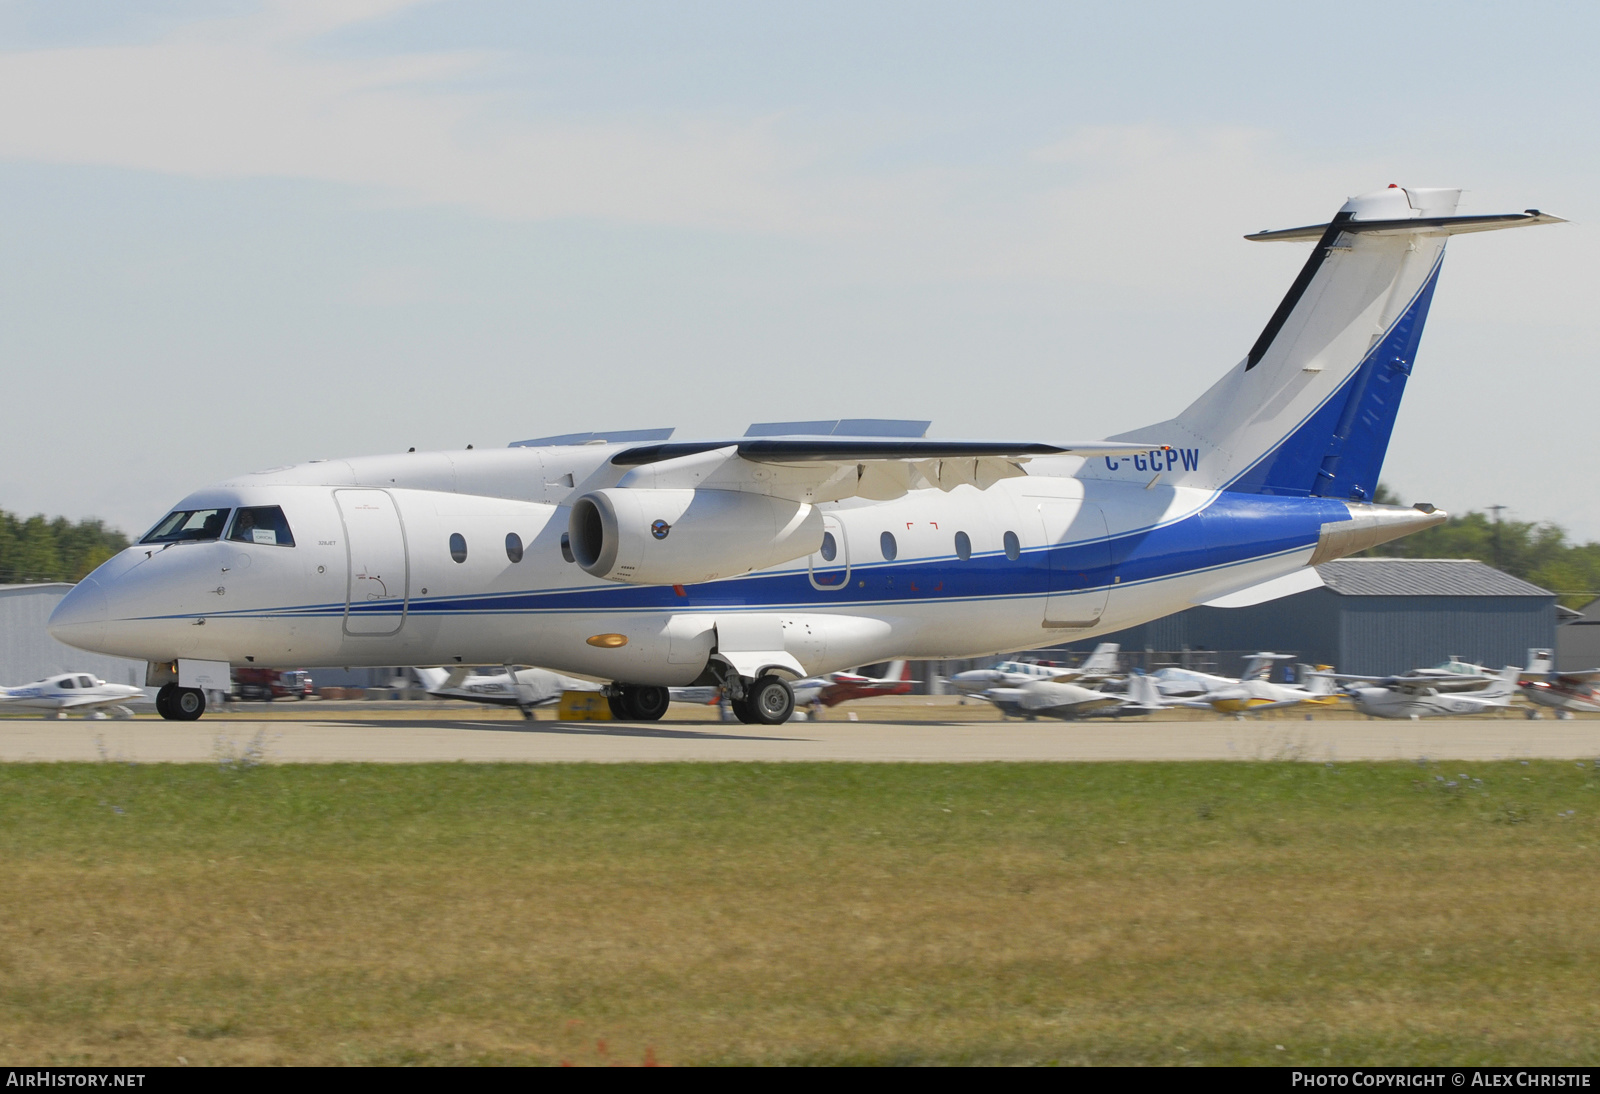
[{"x": 239, "y": 234}]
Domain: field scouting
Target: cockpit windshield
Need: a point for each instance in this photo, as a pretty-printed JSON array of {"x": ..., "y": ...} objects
[
  {"x": 187, "y": 525},
  {"x": 262, "y": 524}
]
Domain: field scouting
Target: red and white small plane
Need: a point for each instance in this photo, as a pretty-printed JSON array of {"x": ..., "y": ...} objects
[
  {"x": 74, "y": 691},
  {"x": 1566, "y": 693},
  {"x": 841, "y": 687}
]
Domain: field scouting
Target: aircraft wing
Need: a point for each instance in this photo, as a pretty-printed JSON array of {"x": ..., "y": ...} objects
[
  {"x": 78, "y": 701},
  {"x": 1580, "y": 676},
  {"x": 1281, "y": 703},
  {"x": 1412, "y": 685},
  {"x": 821, "y": 469},
  {"x": 1079, "y": 709},
  {"x": 1440, "y": 685}
]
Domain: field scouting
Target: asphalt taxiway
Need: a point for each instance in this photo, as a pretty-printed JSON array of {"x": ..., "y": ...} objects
[{"x": 418, "y": 736}]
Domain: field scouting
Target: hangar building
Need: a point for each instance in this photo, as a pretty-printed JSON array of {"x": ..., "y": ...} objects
[
  {"x": 28, "y": 653},
  {"x": 1373, "y": 616},
  {"x": 1578, "y": 640}
]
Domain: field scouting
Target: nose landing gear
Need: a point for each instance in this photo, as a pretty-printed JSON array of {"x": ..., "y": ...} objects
[{"x": 180, "y": 704}]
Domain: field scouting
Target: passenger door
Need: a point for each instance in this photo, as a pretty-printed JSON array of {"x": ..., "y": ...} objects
[
  {"x": 1080, "y": 562},
  {"x": 377, "y": 592}
]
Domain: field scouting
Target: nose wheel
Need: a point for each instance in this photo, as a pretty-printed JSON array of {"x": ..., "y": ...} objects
[{"x": 180, "y": 704}]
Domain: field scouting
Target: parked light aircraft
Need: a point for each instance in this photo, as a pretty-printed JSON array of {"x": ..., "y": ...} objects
[
  {"x": 1256, "y": 694},
  {"x": 1564, "y": 692},
  {"x": 1436, "y": 695},
  {"x": 1069, "y": 701},
  {"x": 1013, "y": 674},
  {"x": 524, "y": 689},
  {"x": 845, "y": 686},
  {"x": 834, "y": 688},
  {"x": 1178, "y": 683},
  {"x": 529, "y": 689},
  {"x": 800, "y": 548},
  {"x": 71, "y": 691}
]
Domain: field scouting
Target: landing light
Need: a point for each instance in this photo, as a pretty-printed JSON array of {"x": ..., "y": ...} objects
[{"x": 607, "y": 641}]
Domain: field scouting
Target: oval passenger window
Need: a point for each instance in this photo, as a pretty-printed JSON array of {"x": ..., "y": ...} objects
[
  {"x": 458, "y": 547},
  {"x": 830, "y": 547},
  {"x": 513, "y": 547},
  {"x": 963, "y": 546},
  {"x": 887, "y": 545},
  {"x": 1013, "y": 546}
]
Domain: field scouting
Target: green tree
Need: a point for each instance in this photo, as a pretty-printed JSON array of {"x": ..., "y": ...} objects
[
  {"x": 1534, "y": 551},
  {"x": 37, "y": 549}
]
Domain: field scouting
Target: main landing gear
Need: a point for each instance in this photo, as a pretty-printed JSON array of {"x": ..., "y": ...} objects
[
  {"x": 637, "y": 702},
  {"x": 180, "y": 704},
  {"x": 767, "y": 701}
]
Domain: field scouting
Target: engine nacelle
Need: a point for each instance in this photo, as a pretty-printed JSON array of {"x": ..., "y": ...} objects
[{"x": 680, "y": 537}]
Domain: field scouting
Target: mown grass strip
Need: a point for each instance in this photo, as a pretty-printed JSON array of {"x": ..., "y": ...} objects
[{"x": 1164, "y": 913}]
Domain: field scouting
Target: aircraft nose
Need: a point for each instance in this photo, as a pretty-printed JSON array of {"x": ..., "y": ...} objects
[{"x": 80, "y": 619}]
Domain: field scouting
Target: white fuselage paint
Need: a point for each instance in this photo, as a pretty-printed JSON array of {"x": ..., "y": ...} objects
[{"x": 378, "y": 529}]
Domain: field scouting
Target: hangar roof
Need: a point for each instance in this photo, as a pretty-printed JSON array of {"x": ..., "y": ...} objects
[{"x": 1422, "y": 577}]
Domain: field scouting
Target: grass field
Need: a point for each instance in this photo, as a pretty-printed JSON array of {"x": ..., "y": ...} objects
[{"x": 1100, "y": 913}]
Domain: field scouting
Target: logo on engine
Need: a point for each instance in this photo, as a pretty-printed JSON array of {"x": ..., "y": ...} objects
[{"x": 660, "y": 529}]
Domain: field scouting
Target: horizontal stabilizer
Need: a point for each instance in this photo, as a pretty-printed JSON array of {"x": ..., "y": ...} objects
[
  {"x": 1287, "y": 585},
  {"x": 1430, "y": 225}
]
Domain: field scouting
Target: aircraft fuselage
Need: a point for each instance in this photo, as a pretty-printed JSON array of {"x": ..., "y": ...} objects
[{"x": 405, "y": 560}]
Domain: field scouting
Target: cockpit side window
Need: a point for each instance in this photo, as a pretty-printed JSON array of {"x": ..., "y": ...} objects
[
  {"x": 185, "y": 525},
  {"x": 262, "y": 524},
  {"x": 85, "y": 682},
  {"x": 65, "y": 682}
]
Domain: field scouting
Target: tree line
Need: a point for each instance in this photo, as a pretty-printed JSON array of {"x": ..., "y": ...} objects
[
  {"x": 1535, "y": 551},
  {"x": 35, "y": 549}
]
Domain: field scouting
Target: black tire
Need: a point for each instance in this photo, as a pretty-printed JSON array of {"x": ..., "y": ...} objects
[
  {"x": 618, "y": 702},
  {"x": 771, "y": 701},
  {"x": 649, "y": 703},
  {"x": 741, "y": 710},
  {"x": 187, "y": 704},
  {"x": 164, "y": 701}
]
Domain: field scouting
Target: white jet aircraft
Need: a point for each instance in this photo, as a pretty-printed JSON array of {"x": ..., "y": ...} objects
[
  {"x": 1437, "y": 695},
  {"x": 1099, "y": 665},
  {"x": 73, "y": 691},
  {"x": 801, "y": 548}
]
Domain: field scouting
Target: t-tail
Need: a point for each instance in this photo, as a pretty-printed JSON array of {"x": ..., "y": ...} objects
[
  {"x": 1309, "y": 411},
  {"x": 1102, "y": 662},
  {"x": 1503, "y": 687}
]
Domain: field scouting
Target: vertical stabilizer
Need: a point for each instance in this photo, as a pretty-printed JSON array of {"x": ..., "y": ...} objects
[{"x": 1309, "y": 410}]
